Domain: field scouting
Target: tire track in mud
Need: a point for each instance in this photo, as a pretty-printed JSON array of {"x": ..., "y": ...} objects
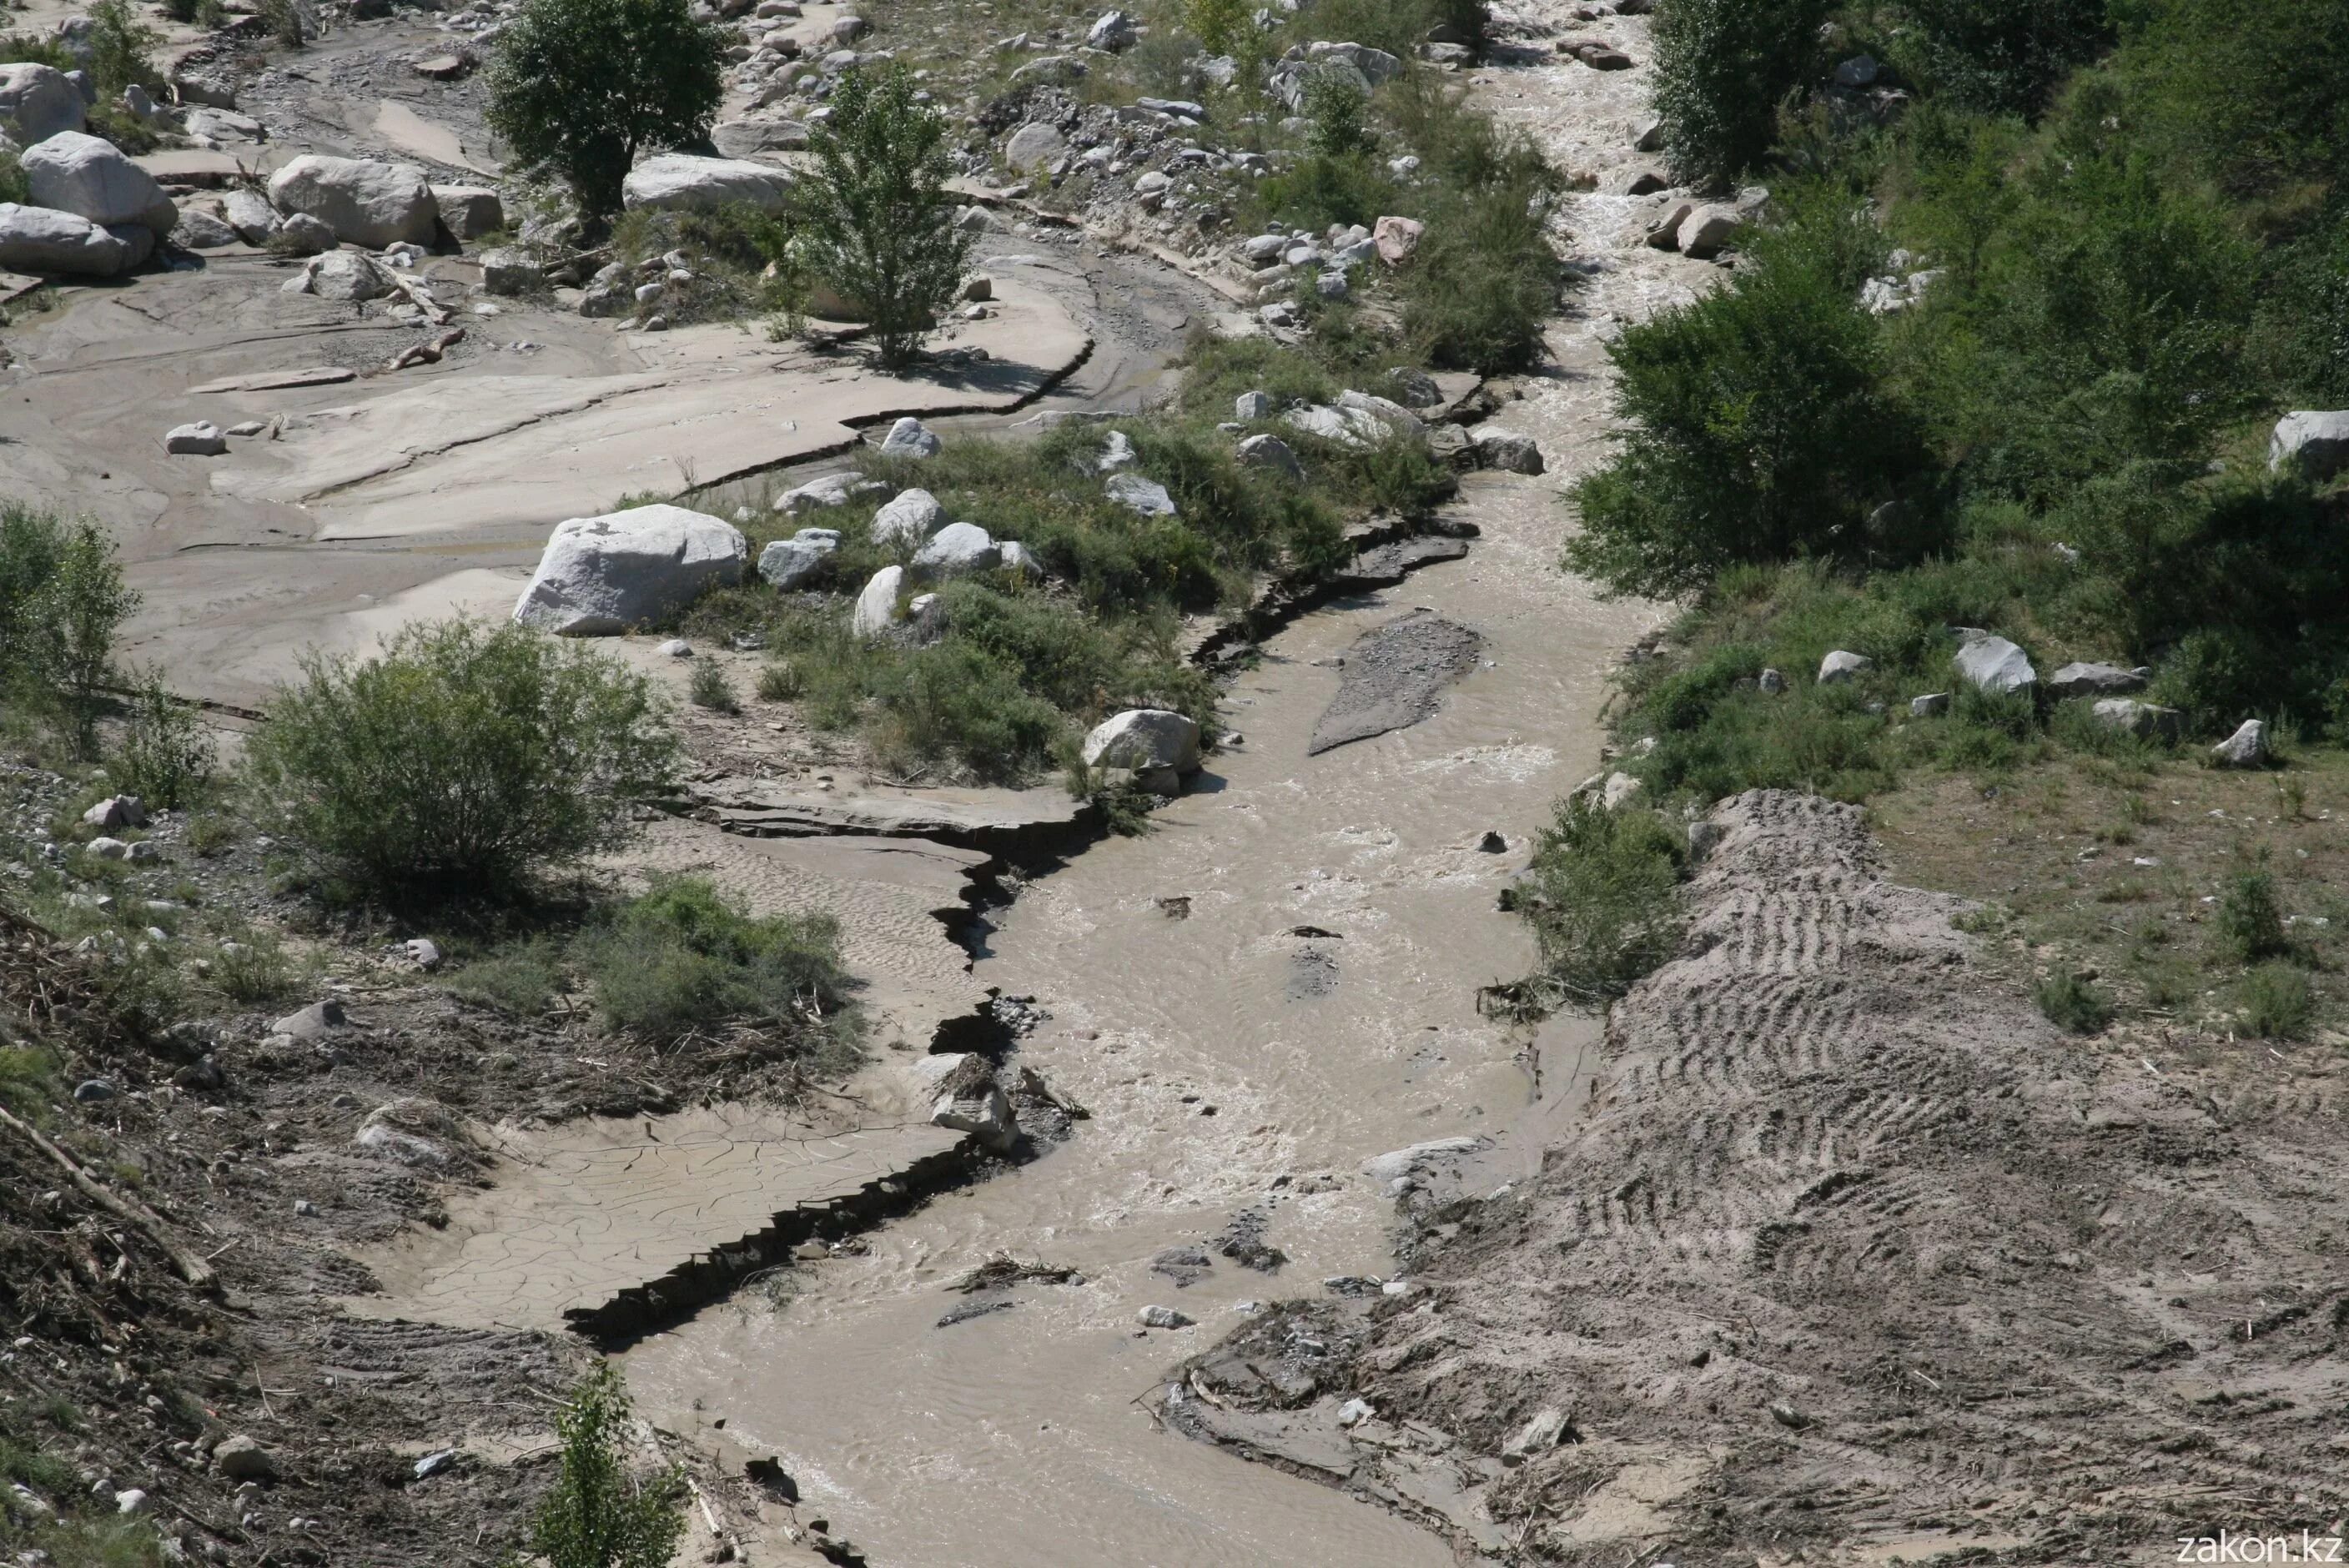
[{"x": 1872, "y": 1258}]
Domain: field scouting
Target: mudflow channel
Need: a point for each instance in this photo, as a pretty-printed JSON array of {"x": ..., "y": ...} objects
[{"x": 1235, "y": 1070}]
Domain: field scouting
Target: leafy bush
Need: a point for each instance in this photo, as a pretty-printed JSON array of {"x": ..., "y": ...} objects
[
  {"x": 2072, "y": 1004},
  {"x": 119, "y": 45},
  {"x": 1722, "y": 68},
  {"x": 254, "y": 970},
  {"x": 2250, "y": 923},
  {"x": 878, "y": 223},
  {"x": 166, "y": 756},
  {"x": 463, "y": 760},
  {"x": 1762, "y": 427},
  {"x": 520, "y": 979},
  {"x": 2003, "y": 55},
  {"x": 61, "y": 602},
  {"x": 1334, "y": 107},
  {"x": 597, "y": 1515},
  {"x": 709, "y": 688},
  {"x": 1603, "y": 898},
  {"x": 684, "y": 959},
  {"x": 2276, "y": 1002},
  {"x": 581, "y": 87}
]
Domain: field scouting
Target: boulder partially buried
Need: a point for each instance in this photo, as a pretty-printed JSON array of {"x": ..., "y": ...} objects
[
  {"x": 794, "y": 562},
  {"x": 2143, "y": 719},
  {"x": 2314, "y": 441},
  {"x": 687, "y": 182},
  {"x": 91, "y": 179},
  {"x": 364, "y": 203},
  {"x": 1507, "y": 450},
  {"x": 909, "y": 438},
  {"x": 601, "y": 575},
  {"x": 1146, "y": 497},
  {"x": 907, "y": 520},
  {"x": 44, "y": 240},
  {"x": 957, "y": 550},
  {"x": 1269, "y": 452},
  {"x": 2096, "y": 680},
  {"x": 470, "y": 211},
  {"x": 876, "y": 605},
  {"x": 1995, "y": 665}
]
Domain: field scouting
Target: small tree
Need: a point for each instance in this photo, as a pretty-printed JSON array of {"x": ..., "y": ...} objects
[
  {"x": 62, "y": 599},
  {"x": 877, "y": 222},
  {"x": 582, "y": 86},
  {"x": 1722, "y": 68},
  {"x": 166, "y": 756},
  {"x": 599, "y": 1515},
  {"x": 461, "y": 758}
]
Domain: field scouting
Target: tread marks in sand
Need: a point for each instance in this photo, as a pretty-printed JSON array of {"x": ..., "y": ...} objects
[{"x": 1853, "y": 1247}]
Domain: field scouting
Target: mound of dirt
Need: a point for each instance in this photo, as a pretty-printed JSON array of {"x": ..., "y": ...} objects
[
  {"x": 1854, "y": 1251},
  {"x": 1395, "y": 675}
]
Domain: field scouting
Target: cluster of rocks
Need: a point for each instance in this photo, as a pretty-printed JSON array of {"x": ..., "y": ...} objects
[
  {"x": 1420, "y": 411},
  {"x": 1702, "y": 230},
  {"x": 1994, "y": 665}
]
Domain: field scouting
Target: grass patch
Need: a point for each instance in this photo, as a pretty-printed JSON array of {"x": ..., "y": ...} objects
[
  {"x": 2072, "y": 1004},
  {"x": 1603, "y": 897}
]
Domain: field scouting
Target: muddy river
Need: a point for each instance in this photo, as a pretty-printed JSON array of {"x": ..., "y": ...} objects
[{"x": 1236, "y": 1070}]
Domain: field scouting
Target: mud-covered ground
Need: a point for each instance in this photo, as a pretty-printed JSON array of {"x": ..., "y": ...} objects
[{"x": 1841, "y": 1248}]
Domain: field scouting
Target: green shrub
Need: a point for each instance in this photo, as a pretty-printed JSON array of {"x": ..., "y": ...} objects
[
  {"x": 62, "y": 599},
  {"x": 684, "y": 959},
  {"x": 119, "y": 45},
  {"x": 16, "y": 185},
  {"x": 166, "y": 756},
  {"x": 2002, "y": 55},
  {"x": 1334, "y": 108},
  {"x": 1602, "y": 896},
  {"x": 2072, "y": 1004},
  {"x": 581, "y": 87},
  {"x": 599, "y": 1515},
  {"x": 876, "y": 220},
  {"x": 780, "y": 681},
  {"x": 1722, "y": 68},
  {"x": 1761, "y": 427},
  {"x": 709, "y": 688},
  {"x": 2276, "y": 1002},
  {"x": 460, "y": 760},
  {"x": 254, "y": 970},
  {"x": 522, "y": 978},
  {"x": 2249, "y": 921}
]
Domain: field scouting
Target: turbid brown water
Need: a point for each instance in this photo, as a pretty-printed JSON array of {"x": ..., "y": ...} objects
[{"x": 1232, "y": 1068}]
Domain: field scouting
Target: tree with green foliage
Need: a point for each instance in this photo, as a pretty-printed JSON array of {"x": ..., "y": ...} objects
[
  {"x": 597, "y": 1514},
  {"x": 581, "y": 87},
  {"x": 1760, "y": 426},
  {"x": 166, "y": 756},
  {"x": 62, "y": 599},
  {"x": 876, "y": 220},
  {"x": 458, "y": 761},
  {"x": 2005, "y": 56},
  {"x": 1723, "y": 69}
]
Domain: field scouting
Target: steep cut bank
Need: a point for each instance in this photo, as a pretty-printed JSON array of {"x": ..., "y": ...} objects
[{"x": 1842, "y": 1246}]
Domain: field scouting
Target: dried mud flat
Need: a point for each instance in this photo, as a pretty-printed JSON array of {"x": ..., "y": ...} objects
[{"x": 1847, "y": 1253}]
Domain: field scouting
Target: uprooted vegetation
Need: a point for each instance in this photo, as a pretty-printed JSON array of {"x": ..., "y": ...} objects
[{"x": 2006, "y": 364}]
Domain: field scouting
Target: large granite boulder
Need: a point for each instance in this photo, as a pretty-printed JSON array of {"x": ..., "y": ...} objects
[
  {"x": 1145, "y": 739},
  {"x": 44, "y": 240},
  {"x": 688, "y": 182},
  {"x": 91, "y": 179},
  {"x": 600, "y": 575},
  {"x": 1995, "y": 665},
  {"x": 364, "y": 203}
]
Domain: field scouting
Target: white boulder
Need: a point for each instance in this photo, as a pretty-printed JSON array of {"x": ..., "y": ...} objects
[
  {"x": 1995, "y": 665},
  {"x": 1507, "y": 450},
  {"x": 688, "y": 182},
  {"x": 1842, "y": 664},
  {"x": 1112, "y": 31},
  {"x": 470, "y": 211},
  {"x": 1269, "y": 452},
  {"x": 790, "y": 563},
  {"x": 957, "y": 550},
  {"x": 1036, "y": 142},
  {"x": 1146, "y": 497},
  {"x": 2246, "y": 748},
  {"x": 364, "y": 203},
  {"x": 909, "y": 438},
  {"x": 38, "y": 101},
  {"x": 1144, "y": 739},
  {"x": 601, "y": 575},
  {"x": 876, "y": 606},
  {"x": 44, "y": 240},
  {"x": 2315, "y": 442},
  {"x": 908, "y": 520},
  {"x": 202, "y": 439},
  {"x": 251, "y": 217},
  {"x": 2146, "y": 720},
  {"x": 2096, "y": 680},
  {"x": 91, "y": 179}
]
